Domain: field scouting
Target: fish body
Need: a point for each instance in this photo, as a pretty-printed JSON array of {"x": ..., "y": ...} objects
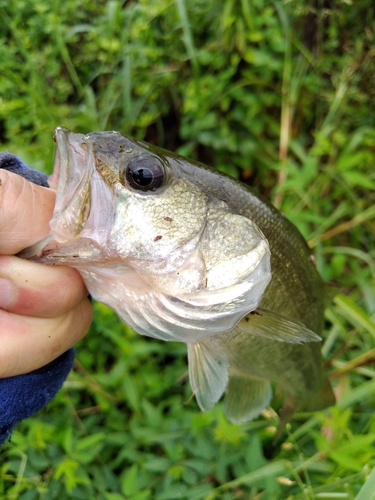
[{"x": 186, "y": 253}]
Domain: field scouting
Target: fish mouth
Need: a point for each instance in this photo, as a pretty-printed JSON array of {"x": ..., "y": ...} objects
[
  {"x": 76, "y": 230},
  {"x": 82, "y": 183},
  {"x": 73, "y": 169},
  {"x": 65, "y": 141}
]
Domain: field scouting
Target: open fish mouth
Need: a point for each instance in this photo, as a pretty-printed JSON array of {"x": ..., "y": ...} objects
[
  {"x": 77, "y": 231},
  {"x": 73, "y": 169}
]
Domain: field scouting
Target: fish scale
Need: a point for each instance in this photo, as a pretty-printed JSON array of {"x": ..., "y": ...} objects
[{"x": 293, "y": 273}]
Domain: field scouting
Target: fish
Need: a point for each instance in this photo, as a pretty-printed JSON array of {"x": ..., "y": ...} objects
[{"x": 183, "y": 252}]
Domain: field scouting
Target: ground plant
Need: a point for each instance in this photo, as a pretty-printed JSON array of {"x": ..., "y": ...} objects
[{"x": 279, "y": 94}]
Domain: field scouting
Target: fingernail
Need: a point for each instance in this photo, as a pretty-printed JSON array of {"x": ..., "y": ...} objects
[{"x": 7, "y": 293}]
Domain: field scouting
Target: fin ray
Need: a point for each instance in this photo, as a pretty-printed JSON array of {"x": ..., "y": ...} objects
[
  {"x": 275, "y": 326},
  {"x": 245, "y": 397},
  {"x": 208, "y": 375}
]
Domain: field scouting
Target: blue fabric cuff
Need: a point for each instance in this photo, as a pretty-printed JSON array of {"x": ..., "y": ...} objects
[
  {"x": 23, "y": 395},
  {"x": 12, "y": 163}
]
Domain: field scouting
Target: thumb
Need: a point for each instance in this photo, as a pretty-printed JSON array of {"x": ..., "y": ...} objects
[{"x": 25, "y": 212}]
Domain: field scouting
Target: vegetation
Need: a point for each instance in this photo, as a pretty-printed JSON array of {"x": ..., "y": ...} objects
[{"x": 278, "y": 94}]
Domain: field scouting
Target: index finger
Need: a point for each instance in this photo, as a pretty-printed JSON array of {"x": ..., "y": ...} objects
[{"x": 25, "y": 212}]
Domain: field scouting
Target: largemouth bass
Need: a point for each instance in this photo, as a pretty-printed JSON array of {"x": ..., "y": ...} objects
[{"x": 184, "y": 253}]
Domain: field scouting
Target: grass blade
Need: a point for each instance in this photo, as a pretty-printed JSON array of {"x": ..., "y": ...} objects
[
  {"x": 355, "y": 313},
  {"x": 187, "y": 36},
  {"x": 268, "y": 471},
  {"x": 367, "y": 492}
]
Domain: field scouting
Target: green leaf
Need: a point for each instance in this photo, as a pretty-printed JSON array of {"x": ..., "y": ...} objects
[
  {"x": 271, "y": 470},
  {"x": 113, "y": 496},
  {"x": 157, "y": 465},
  {"x": 88, "y": 442},
  {"x": 346, "y": 461},
  {"x": 129, "y": 482},
  {"x": 367, "y": 492},
  {"x": 358, "y": 179}
]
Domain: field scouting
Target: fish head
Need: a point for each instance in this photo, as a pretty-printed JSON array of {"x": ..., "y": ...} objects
[{"x": 150, "y": 240}]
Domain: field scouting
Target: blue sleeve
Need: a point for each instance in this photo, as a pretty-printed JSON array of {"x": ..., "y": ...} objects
[
  {"x": 23, "y": 395},
  {"x": 13, "y": 164}
]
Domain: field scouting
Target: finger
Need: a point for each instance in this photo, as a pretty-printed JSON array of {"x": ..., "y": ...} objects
[
  {"x": 35, "y": 342},
  {"x": 25, "y": 212},
  {"x": 34, "y": 289}
]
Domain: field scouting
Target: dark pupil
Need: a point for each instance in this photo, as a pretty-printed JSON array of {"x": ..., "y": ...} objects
[
  {"x": 143, "y": 177},
  {"x": 145, "y": 174}
]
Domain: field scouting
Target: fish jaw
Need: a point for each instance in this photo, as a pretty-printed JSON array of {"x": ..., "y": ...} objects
[
  {"x": 72, "y": 172},
  {"x": 79, "y": 182}
]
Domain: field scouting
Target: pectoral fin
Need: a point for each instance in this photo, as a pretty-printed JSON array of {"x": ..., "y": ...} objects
[
  {"x": 275, "y": 326},
  {"x": 245, "y": 397},
  {"x": 208, "y": 375}
]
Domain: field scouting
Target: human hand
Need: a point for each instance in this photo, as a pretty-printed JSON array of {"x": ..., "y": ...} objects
[{"x": 43, "y": 310}]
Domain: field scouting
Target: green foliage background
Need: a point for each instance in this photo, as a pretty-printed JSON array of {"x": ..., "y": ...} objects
[{"x": 279, "y": 94}]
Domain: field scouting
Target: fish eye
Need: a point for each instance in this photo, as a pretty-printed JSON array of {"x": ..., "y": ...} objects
[{"x": 145, "y": 174}]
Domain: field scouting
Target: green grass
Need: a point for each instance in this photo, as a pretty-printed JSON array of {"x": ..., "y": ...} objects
[{"x": 277, "y": 94}]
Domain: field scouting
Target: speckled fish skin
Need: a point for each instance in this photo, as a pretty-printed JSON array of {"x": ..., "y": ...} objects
[
  {"x": 296, "y": 289},
  {"x": 201, "y": 259}
]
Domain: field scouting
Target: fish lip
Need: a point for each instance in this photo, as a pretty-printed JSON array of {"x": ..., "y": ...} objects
[
  {"x": 73, "y": 169},
  {"x": 68, "y": 146},
  {"x": 61, "y": 138},
  {"x": 80, "y": 186}
]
